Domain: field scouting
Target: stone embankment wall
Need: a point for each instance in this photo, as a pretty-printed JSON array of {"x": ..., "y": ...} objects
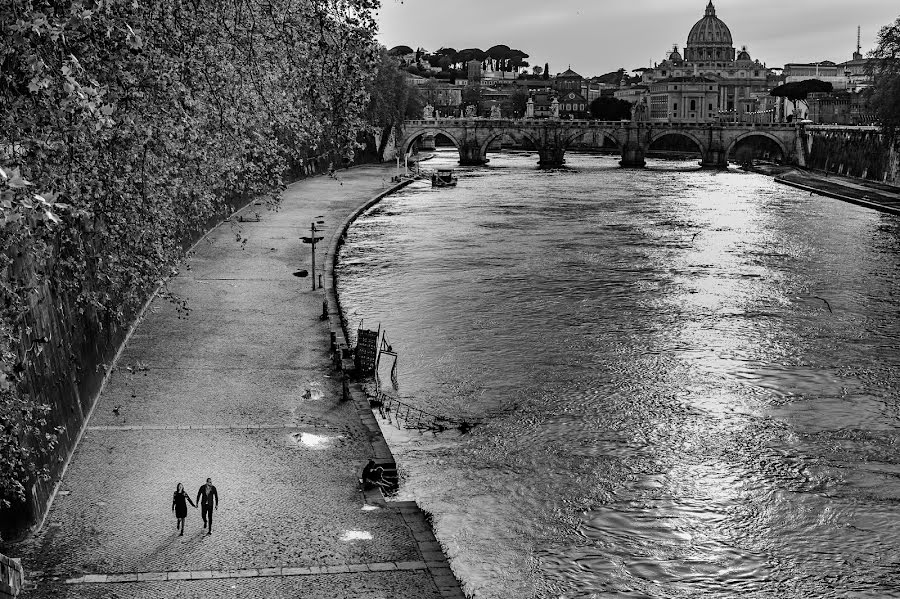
[
  {"x": 863, "y": 152},
  {"x": 11, "y": 577},
  {"x": 71, "y": 351}
]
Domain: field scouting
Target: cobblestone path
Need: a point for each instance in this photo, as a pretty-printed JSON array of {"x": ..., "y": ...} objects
[{"x": 240, "y": 390}]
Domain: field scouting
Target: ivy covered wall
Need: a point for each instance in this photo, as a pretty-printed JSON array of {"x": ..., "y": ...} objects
[
  {"x": 126, "y": 130},
  {"x": 863, "y": 152}
]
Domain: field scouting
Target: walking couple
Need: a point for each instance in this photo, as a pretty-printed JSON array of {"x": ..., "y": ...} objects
[{"x": 207, "y": 497}]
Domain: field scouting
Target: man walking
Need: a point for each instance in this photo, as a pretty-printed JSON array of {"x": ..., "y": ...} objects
[{"x": 205, "y": 497}]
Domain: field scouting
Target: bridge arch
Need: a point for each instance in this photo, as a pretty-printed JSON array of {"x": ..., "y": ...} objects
[
  {"x": 606, "y": 135},
  {"x": 411, "y": 137},
  {"x": 701, "y": 147},
  {"x": 765, "y": 134},
  {"x": 510, "y": 133}
]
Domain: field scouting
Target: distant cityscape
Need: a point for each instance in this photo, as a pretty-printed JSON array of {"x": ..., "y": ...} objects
[{"x": 708, "y": 82}]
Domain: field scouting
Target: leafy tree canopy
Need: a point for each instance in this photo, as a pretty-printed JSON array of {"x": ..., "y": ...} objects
[
  {"x": 884, "y": 67},
  {"x": 606, "y": 108},
  {"x": 471, "y": 54},
  {"x": 400, "y": 51},
  {"x": 799, "y": 90},
  {"x": 125, "y": 128},
  {"x": 499, "y": 52}
]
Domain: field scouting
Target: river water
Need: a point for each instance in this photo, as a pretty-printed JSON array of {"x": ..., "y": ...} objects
[{"x": 688, "y": 379}]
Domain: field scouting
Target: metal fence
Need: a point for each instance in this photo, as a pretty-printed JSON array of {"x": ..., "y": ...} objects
[{"x": 402, "y": 415}]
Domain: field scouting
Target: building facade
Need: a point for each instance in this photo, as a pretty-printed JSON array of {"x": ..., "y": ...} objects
[
  {"x": 573, "y": 105},
  {"x": 850, "y": 75},
  {"x": 691, "y": 99},
  {"x": 709, "y": 54}
]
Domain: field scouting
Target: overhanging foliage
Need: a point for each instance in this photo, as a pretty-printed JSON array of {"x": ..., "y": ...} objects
[{"x": 125, "y": 127}]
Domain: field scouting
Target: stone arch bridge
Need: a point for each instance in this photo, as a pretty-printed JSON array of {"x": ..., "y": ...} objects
[{"x": 551, "y": 137}]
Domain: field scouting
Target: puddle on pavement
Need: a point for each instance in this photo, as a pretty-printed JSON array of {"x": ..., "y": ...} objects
[
  {"x": 312, "y": 441},
  {"x": 356, "y": 535}
]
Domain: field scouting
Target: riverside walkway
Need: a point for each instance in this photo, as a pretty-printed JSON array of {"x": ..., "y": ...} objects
[
  {"x": 866, "y": 193},
  {"x": 241, "y": 389}
]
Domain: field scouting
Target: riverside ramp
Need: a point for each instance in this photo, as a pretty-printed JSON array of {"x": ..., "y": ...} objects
[
  {"x": 862, "y": 192},
  {"x": 240, "y": 388}
]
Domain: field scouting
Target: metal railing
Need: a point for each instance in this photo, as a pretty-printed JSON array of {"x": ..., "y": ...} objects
[{"x": 404, "y": 416}]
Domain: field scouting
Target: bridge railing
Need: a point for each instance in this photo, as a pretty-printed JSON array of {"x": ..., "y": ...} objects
[{"x": 591, "y": 124}]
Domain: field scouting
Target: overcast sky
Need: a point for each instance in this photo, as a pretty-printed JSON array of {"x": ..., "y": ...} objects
[{"x": 598, "y": 36}]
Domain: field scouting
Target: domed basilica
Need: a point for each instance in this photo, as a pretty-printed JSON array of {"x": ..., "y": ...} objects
[{"x": 710, "y": 82}]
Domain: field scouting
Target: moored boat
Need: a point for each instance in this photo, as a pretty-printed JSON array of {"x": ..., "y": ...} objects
[{"x": 443, "y": 178}]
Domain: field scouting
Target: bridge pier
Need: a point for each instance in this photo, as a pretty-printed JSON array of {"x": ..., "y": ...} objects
[
  {"x": 426, "y": 142},
  {"x": 470, "y": 155},
  {"x": 632, "y": 156},
  {"x": 715, "y": 157},
  {"x": 552, "y": 157}
]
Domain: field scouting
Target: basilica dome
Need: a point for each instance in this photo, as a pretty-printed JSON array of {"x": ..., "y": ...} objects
[{"x": 709, "y": 39}]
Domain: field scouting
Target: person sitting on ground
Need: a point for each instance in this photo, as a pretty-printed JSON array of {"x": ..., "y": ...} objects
[{"x": 373, "y": 476}]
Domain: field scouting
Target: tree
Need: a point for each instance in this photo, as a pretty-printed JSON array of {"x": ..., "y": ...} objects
[
  {"x": 137, "y": 124},
  {"x": 449, "y": 53},
  {"x": 798, "y": 91},
  {"x": 469, "y": 54},
  {"x": 517, "y": 60},
  {"x": 515, "y": 104},
  {"x": 498, "y": 56},
  {"x": 546, "y": 70},
  {"x": 472, "y": 95},
  {"x": 605, "y": 108},
  {"x": 389, "y": 96},
  {"x": 884, "y": 68},
  {"x": 400, "y": 51}
]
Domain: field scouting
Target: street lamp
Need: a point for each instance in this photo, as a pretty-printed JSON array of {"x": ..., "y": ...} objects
[{"x": 312, "y": 240}]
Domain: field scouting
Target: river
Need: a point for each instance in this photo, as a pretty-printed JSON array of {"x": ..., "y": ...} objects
[{"x": 688, "y": 380}]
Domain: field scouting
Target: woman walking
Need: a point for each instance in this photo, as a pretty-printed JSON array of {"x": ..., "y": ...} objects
[{"x": 179, "y": 505}]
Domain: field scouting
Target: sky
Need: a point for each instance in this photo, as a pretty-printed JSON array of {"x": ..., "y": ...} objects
[{"x": 599, "y": 36}]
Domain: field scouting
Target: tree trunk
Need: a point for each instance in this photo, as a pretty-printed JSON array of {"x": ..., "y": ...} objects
[{"x": 385, "y": 137}]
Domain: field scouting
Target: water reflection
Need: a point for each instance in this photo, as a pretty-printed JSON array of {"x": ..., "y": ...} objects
[{"x": 688, "y": 377}]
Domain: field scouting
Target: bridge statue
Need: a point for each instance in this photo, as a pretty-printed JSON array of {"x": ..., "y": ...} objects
[
  {"x": 529, "y": 108},
  {"x": 639, "y": 112},
  {"x": 428, "y": 112},
  {"x": 495, "y": 112},
  {"x": 554, "y": 109},
  {"x": 550, "y": 137}
]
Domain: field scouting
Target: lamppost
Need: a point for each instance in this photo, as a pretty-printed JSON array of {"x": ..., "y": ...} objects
[{"x": 312, "y": 240}]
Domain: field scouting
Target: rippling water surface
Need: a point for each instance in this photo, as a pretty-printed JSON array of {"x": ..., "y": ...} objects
[{"x": 688, "y": 378}]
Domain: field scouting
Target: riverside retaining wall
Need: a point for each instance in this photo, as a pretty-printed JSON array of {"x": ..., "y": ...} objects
[
  {"x": 11, "y": 577},
  {"x": 863, "y": 152}
]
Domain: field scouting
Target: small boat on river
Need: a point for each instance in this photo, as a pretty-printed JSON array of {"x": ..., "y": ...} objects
[{"x": 443, "y": 178}]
